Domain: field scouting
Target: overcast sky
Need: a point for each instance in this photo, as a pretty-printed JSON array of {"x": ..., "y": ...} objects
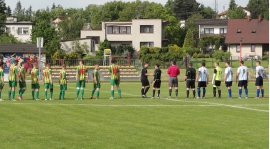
[{"x": 38, "y": 4}]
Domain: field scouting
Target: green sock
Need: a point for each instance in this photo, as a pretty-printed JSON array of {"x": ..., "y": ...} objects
[
  {"x": 60, "y": 95},
  {"x": 33, "y": 95},
  {"x": 0, "y": 94},
  {"x": 97, "y": 93},
  {"x": 12, "y": 94},
  {"x": 9, "y": 94},
  {"x": 93, "y": 92},
  {"x": 119, "y": 93},
  {"x": 77, "y": 93},
  {"x": 82, "y": 93},
  {"x": 37, "y": 94},
  {"x": 63, "y": 94},
  {"x": 45, "y": 94},
  {"x": 20, "y": 92},
  {"x": 51, "y": 94},
  {"x": 23, "y": 90},
  {"x": 112, "y": 93}
]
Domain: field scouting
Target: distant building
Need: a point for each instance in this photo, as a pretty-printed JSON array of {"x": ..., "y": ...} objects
[
  {"x": 215, "y": 27},
  {"x": 223, "y": 15},
  {"x": 20, "y": 29},
  {"x": 59, "y": 19}
]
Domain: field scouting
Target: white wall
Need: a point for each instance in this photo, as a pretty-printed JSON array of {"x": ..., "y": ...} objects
[
  {"x": 67, "y": 45},
  {"x": 216, "y": 28},
  {"x": 14, "y": 32},
  {"x": 246, "y": 51}
]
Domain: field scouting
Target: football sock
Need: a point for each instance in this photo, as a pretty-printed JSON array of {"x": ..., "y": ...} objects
[
  {"x": 262, "y": 90},
  {"x": 187, "y": 93},
  {"x": 214, "y": 91},
  {"x": 37, "y": 94},
  {"x": 230, "y": 93},
  {"x": 93, "y": 92},
  {"x": 119, "y": 93},
  {"x": 45, "y": 94},
  {"x": 97, "y": 93},
  {"x": 170, "y": 92},
  {"x": 82, "y": 93},
  {"x": 33, "y": 95},
  {"x": 51, "y": 95},
  {"x": 258, "y": 93},
  {"x": 22, "y": 92},
  {"x": 146, "y": 90},
  {"x": 199, "y": 92},
  {"x": 204, "y": 92},
  {"x": 0, "y": 94},
  {"x": 12, "y": 94},
  {"x": 154, "y": 92},
  {"x": 112, "y": 93},
  {"x": 77, "y": 93},
  {"x": 219, "y": 93},
  {"x": 246, "y": 92},
  {"x": 194, "y": 93},
  {"x": 240, "y": 92},
  {"x": 176, "y": 92},
  {"x": 142, "y": 91},
  {"x": 158, "y": 93},
  {"x": 63, "y": 94},
  {"x": 60, "y": 95},
  {"x": 9, "y": 94}
]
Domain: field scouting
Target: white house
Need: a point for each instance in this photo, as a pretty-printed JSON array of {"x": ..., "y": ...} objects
[
  {"x": 20, "y": 29},
  {"x": 213, "y": 27},
  {"x": 137, "y": 33},
  {"x": 223, "y": 15}
]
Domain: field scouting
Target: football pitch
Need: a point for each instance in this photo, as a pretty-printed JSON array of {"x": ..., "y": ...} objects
[{"x": 135, "y": 122}]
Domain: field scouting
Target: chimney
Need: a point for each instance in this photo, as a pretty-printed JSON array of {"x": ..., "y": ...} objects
[
  {"x": 248, "y": 18},
  {"x": 260, "y": 18}
]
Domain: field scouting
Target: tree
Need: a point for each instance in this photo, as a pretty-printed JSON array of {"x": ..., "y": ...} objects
[
  {"x": 236, "y": 13},
  {"x": 170, "y": 4},
  {"x": 232, "y": 5},
  {"x": 101, "y": 46},
  {"x": 8, "y": 38},
  {"x": 258, "y": 7},
  {"x": 53, "y": 6},
  {"x": 71, "y": 29},
  {"x": 28, "y": 14},
  {"x": 189, "y": 40},
  {"x": 9, "y": 12},
  {"x": 3, "y": 16},
  {"x": 19, "y": 11},
  {"x": 207, "y": 12},
  {"x": 185, "y": 8},
  {"x": 190, "y": 25},
  {"x": 80, "y": 49}
]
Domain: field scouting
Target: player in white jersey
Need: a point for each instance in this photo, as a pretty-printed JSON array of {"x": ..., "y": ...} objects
[
  {"x": 228, "y": 78},
  {"x": 242, "y": 76},
  {"x": 202, "y": 79},
  {"x": 259, "y": 79}
]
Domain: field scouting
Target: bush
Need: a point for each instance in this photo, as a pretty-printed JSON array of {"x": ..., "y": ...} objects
[
  {"x": 222, "y": 56},
  {"x": 206, "y": 56},
  {"x": 195, "y": 55},
  {"x": 199, "y": 55},
  {"x": 265, "y": 57}
]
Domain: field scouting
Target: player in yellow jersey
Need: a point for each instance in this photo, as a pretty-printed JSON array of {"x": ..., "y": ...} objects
[
  {"x": 22, "y": 83},
  {"x": 35, "y": 82},
  {"x": 12, "y": 77},
  {"x": 81, "y": 75},
  {"x": 96, "y": 79},
  {"x": 63, "y": 82},
  {"x": 2, "y": 80},
  {"x": 216, "y": 81},
  {"x": 48, "y": 82},
  {"x": 115, "y": 78}
]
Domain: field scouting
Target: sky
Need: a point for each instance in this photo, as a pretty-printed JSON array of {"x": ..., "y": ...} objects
[{"x": 39, "y": 4}]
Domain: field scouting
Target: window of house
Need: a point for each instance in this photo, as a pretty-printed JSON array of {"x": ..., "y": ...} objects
[
  {"x": 118, "y": 30},
  {"x": 209, "y": 30},
  {"x": 237, "y": 48},
  {"x": 125, "y": 30},
  {"x": 109, "y": 30},
  {"x": 8, "y": 30},
  {"x": 92, "y": 46},
  {"x": 252, "y": 48},
  {"x": 147, "y": 28},
  {"x": 23, "y": 30},
  {"x": 147, "y": 44},
  {"x": 223, "y": 30}
]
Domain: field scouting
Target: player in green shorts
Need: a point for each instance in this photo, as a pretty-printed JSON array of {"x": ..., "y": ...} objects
[
  {"x": 115, "y": 78},
  {"x": 2, "y": 80},
  {"x": 35, "y": 82},
  {"x": 48, "y": 82},
  {"x": 81, "y": 73},
  {"x": 96, "y": 79},
  {"x": 22, "y": 83},
  {"x": 63, "y": 82},
  {"x": 12, "y": 78}
]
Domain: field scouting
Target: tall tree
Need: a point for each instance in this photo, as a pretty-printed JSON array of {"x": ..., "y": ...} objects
[
  {"x": 236, "y": 13},
  {"x": 71, "y": 29},
  {"x": 189, "y": 40},
  {"x": 19, "y": 12},
  {"x": 232, "y": 5},
  {"x": 258, "y": 7},
  {"x": 207, "y": 12},
  {"x": 53, "y": 6},
  {"x": 3, "y": 16},
  {"x": 9, "y": 12},
  {"x": 170, "y": 4},
  {"x": 185, "y": 8},
  {"x": 28, "y": 14}
]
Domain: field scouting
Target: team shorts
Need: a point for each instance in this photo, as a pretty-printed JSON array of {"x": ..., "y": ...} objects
[
  {"x": 96, "y": 85},
  {"x": 217, "y": 83},
  {"x": 1, "y": 86},
  {"x": 157, "y": 84},
  {"x": 115, "y": 82},
  {"x": 242, "y": 83},
  {"x": 35, "y": 86},
  {"x": 201, "y": 84},
  {"x": 259, "y": 81},
  {"x": 22, "y": 84},
  {"x": 145, "y": 82},
  {"x": 190, "y": 83},
  {"x": 228, "y": 83},
  {"x": 80, "y": 84},
  {"x": 12, "y": 83},
  {"x": 63, "y": 86},
  {"x": 48, "y": 86},
  {"x": 173, "y": 82}
]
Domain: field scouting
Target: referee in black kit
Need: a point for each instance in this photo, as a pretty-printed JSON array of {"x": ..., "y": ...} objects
[{"x": 190, "y": 80}]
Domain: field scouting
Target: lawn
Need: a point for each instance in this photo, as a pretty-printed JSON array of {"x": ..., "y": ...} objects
[{"x": 134, "y": 122}]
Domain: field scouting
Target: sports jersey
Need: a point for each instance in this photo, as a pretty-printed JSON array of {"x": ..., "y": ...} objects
[
  {"x": 143, "y": 74},
  {"x": 96, "y": 74},
  {"x": 242, "y": 70},
  {"x": 229, "y": 73},
  {"x": 203, "y": 74},
  {"x": 81, "y": 70},
  {"x": 191, "y": 73},
  {"x": 157, "y": 74},
  {"x": 261, "y": 71},
  {"x": 114, "y": 70},
  {"x": 22, "y": 73},
  {"x": 173, "y": 71},
  {"x": 1, "y": 73},
  {"x": 218, "y": 72},
  {"x": 47, "y": 74},
  {"x": 13, "y": 71},
  {"x": 34, "y": 75},
  {"x": 63, "y": 76}
]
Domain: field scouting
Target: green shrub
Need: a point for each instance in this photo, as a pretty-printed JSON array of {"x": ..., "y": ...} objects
[
  {"x": 200, "y": 55},
  {"x": 206, "y": 56},
  {"x": 265, "y": 57},
  {"x": 222, "y": 56}
]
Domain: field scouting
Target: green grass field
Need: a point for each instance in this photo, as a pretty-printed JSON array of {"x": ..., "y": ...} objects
[{"x": 134, "y": 122}]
